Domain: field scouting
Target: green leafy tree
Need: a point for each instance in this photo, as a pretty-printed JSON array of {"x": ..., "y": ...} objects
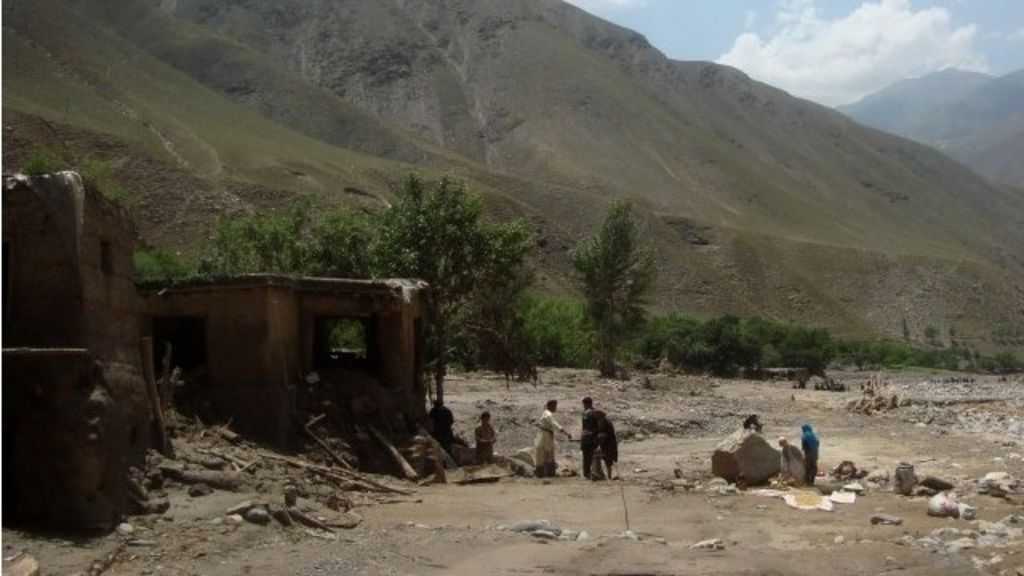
[
  {"x": 437, "y": 234},
  {"x": 496, "y": 311},
  {"x": 341, "y": 246},
  {"x": 270, "y": 242},
  {"x": 616, "y": 271}
]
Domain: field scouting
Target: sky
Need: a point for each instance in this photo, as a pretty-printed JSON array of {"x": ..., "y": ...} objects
[{"x": 830, "y": 51}]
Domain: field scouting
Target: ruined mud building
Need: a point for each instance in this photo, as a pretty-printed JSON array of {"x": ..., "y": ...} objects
[{"x": 262, "y": 352}]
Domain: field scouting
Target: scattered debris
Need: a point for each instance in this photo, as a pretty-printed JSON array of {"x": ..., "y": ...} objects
[
  {"x": 905, "y": 479},
  {"x": 998, "y": 484},
  {"x": 886, "y": 520},
  {"x": 710, "y": 544},
  {"x": 23, "y": 565},
  {"x": 803, "y": 500}
]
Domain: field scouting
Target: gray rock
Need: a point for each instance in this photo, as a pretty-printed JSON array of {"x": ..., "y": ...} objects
[
  {"x": 257, "y": 515},
  {"x": 960, "y": 545},
  {"x": 544, "y": 534},
  {"x": 125, "y": 529},
  {"x": 199, "y": 490},
  {"x": 746, "y": 455},
  {"x": 886, "y": 519},
  {"x": 234, "y": 518}
]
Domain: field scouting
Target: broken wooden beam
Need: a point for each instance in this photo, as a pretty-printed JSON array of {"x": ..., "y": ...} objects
[
  {"x": 323, "y": 443},
  {"x": 407, "y": 469}
]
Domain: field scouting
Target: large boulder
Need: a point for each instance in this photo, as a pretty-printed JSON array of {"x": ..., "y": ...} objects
[{"x": 747, "y": 455}]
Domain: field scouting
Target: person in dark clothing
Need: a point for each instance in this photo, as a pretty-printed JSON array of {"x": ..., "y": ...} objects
[
  {"x": 442, "y": 420},
  {"x": 588, "y": 435},
  {"x": 607, "y": 447},
  {"x": 809, "y": 442}
]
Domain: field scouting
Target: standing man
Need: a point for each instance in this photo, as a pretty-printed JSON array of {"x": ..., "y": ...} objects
[
  {"x": 443, "y": 420},
  {"x": 544, "y": 446},
  {"x": 810, "y": 443},
  {"x": 588, "y": 435}
]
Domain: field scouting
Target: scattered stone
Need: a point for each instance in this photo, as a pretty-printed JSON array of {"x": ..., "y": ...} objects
[
  {"x": 234, "y": 518},
  {"x": 141, "y": 543},
  {"x": 966, "y": 511},
  {"x": 125, "y": 529},
  {"x": 23, "y": 565},
  {"x": 710, "y": 544},
  {"x": 570, "y": 535},
  {"x": 998, "y": 484},
  {"x": 886, "y": 519},
  {"x": 879, "y": 477},
  {"x": 544, "y": 534},
  {"x": 199, "y": 490},
  {"x": 628, "y": 535},
  {"x": 838, "y": 540},
  {"x": 960, "y": 545},
  {"x": 257, "y": 515},
  {"x": 925, "y": 491}
]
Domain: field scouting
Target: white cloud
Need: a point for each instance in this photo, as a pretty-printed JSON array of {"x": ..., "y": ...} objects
[{"x": 841, "y": 60}]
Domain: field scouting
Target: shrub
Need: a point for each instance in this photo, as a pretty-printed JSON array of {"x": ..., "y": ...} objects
[{"x": 42, "y": 161}]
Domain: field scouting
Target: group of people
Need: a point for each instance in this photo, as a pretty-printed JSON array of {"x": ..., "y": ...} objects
[
  {"x": 598, "y": 441},
  {"x": 600, "y": 445}
]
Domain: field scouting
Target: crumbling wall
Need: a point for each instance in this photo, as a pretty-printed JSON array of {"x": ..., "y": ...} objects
[
  {"x": 74, "y": 421},
  {"x": 251, "y": 353}
]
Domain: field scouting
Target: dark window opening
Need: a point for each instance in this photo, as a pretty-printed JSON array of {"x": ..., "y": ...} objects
[
  {"x": 187, "y": 337},
  {"x": 345, "y": 342},
  {"x": 106, "y": 257}
]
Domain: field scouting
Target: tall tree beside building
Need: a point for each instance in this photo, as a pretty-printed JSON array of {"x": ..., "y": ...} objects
[
  {"x": 437, "y": 234},
  {"x": 616, "y": 269}
]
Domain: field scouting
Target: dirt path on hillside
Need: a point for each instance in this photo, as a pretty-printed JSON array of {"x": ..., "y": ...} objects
[{"x": 668, "y": 431}]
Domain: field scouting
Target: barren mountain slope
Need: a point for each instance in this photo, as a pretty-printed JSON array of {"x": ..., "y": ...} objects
[{"x": 759, "y": 202}]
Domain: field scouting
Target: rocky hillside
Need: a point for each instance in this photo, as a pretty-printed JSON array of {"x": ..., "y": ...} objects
[
  {"x": 975, "y": 118},
  {"x": 760, "y": 203}
]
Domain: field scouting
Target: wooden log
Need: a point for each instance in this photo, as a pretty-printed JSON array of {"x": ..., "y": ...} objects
[
  {"x": 407, "y": 469},
  {"x": 163, "y": 442},
  {"x": 223, "y": 480},
  {"x": 323, "y": 444},
  {"x": 339, "y": 475}
]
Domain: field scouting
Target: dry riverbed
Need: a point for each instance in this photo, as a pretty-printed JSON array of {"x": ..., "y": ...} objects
[{"x": 668, "y": 429}]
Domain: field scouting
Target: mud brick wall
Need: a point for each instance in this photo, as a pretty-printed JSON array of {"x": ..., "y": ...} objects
[
  {"x": 72, "y": 423},
  {"x": 251, "y": 353}
]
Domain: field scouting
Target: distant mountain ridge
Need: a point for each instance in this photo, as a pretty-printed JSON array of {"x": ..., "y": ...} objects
[
  {"x": 760, "y": 203},
  {"x": 976, "y": 118}
]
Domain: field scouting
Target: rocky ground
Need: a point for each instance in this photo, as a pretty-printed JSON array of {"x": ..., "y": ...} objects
[{"x": 680, "y": 519}]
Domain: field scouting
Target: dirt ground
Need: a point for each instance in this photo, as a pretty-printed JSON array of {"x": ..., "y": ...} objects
[{"x": 668, "y": 430}]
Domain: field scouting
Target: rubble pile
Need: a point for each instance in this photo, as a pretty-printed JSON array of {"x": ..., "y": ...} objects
[{"x": 306, "y": 490}]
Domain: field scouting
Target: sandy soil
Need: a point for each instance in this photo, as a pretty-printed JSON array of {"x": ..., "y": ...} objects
[{"x": 667, "y": 430}]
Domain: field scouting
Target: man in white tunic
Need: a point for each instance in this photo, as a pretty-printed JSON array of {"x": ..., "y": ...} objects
[{"x": 544, "y": 447}]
